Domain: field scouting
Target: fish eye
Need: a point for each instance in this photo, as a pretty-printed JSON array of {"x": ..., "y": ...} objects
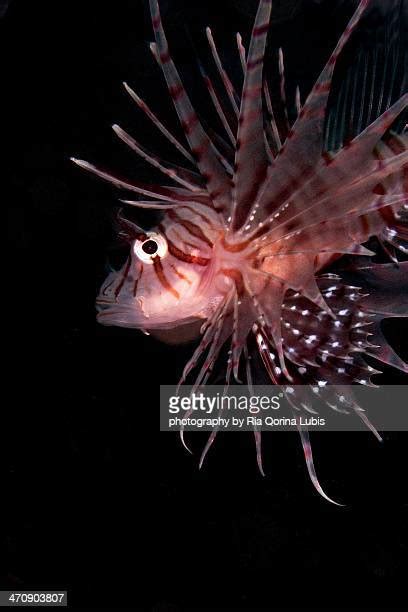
[
  {"x": 153, "y": 245},
  {"x": 150, "y": 247}
]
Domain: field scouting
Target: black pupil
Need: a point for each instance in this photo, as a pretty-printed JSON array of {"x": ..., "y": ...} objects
[{"x": 150, "y": 247}]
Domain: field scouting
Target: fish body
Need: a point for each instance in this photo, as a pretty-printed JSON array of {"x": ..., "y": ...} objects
[{"x": 251, "y": 223}]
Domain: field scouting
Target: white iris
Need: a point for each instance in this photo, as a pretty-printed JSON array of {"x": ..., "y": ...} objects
[{"x": 154, "y": 245}]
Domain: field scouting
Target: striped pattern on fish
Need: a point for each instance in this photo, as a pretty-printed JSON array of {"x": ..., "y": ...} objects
[{"x": 253, "y": 220}]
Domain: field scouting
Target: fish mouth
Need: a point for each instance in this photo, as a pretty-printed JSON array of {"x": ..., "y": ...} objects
[
  {"x": 114, "y": 313},
  {"x": 122, "y": 314}
]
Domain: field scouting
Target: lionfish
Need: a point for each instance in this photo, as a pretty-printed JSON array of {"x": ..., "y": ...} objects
[{"x": 250, "y": 224}]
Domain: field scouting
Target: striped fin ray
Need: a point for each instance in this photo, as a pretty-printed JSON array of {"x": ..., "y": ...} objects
[
  {"x": 275, "y": 142},
  {"x": 159, "y": 125},
  {"x": 217, "y": 104},
  {"x": 251, "y": 159},
  {"x": 337, "y": 248},
  {"x": 245, "y": 315},
  {"x": 269, "y": 313},
  {"x": 340, "y": 235},
  {"x": 209, "y": 334},
  {"x": 238, "y": 333},
  {"x": 231, "y": 329},
  {"x": 332, "y": 190},
  {"x": 169, "y": 194},
  {"x": 229, "y": 88},
  {"x": 166, "y": 168},
  {"x": 218, "y": 144},
  {"x": 220, "y": 336},
  {"x": 355, "y": 202},
  {"x": 298, "y": 103},
  {"x": 241, "y": 52},
  {"x": 257, "y": 433},
  {"x": 215, "y": 334},
  {"x": 151, "y": 204},
  {"x": 282, "y": 88},
  {"x": 223, "y": 151},
  {"x": 222, "y": 148},
  {"x": 295, "y": 396},
  {"x": 211, "y": 169},
  {"x": 302, "y": 150},
  {"x": 308, "y": 454}
]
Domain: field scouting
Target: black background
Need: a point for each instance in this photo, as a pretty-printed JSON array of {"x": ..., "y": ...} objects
[{"x": 94, "y": 499}]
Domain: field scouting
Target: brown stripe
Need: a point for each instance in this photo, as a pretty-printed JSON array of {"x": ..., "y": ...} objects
[
  {"x": 193, "y": 259},
  {"x": 137, "y": 281},
  {"x": 387, "y": 214},
  {"x": 236, "y": 277},
  {"x": 234, "y": 248},
  {"x": 379, "y": 189},
  {"x": 165, "y": 57},
  {"x": 203, "y": 217},
  {"x": 189, "y": 124},
  {"x": 173, "y": 250},
  {"x": 158, "y": 268},
  {"x": 180, "y": 274},
  {"x": 260, "y": 30},
  {"x": 365, "y": 224},
  {"x": 255, "y": 62},
  {"x": 156, "y": 21},
  {"x": 191, "y": 227},
  {"x": 182, "y": 241},
  {"x": 176, "y": 91}
]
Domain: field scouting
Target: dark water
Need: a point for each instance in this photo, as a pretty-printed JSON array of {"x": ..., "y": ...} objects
[{"x": 94, "y": 499}]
